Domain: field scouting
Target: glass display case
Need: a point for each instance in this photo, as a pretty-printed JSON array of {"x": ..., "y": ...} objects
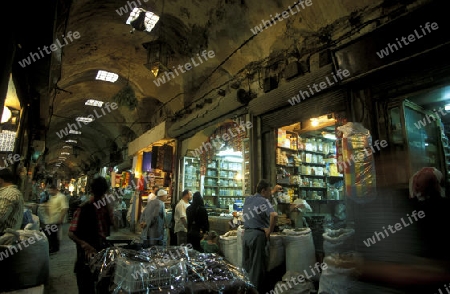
[
  {"x": 191, "y": 179},
  {"x": 224, "y": 179}
]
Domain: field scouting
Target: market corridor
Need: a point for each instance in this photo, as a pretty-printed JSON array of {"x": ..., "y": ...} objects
[{"x": 62, "y": 279}]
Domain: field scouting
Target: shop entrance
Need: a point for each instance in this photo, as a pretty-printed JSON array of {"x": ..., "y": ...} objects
[{"x": 419, "y": 126}]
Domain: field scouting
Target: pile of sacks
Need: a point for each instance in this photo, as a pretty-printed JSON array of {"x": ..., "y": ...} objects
[{"x": 24, "y": 259}]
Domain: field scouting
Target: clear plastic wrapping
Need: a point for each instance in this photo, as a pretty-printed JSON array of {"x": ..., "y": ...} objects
[
  {"x": 171, "y": 269},
  {"x": 357, "y": 163}
]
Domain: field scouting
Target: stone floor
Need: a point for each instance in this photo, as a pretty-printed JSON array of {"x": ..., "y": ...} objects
[{"x": 62, "y": 279}]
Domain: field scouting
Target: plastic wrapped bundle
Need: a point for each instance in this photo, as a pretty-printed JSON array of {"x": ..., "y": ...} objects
[
  {"x": 337, "y": 241},
  {"x": 210, "y": 273},
  {"x": 121, "y": 270},
  {"x": 357, "y": 162}
]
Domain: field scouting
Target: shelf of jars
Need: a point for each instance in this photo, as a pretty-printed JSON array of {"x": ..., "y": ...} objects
[
  {"x": 191, "y": 174},
  {"x": 223, "y": 182},
  {"x": 246, "y": 166}
]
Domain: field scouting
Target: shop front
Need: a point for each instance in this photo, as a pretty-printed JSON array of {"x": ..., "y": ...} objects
[
  {"x": 153, "y": 165},
  {"x": 216, "y": 163},
  {"x": 303, "y": 155}
]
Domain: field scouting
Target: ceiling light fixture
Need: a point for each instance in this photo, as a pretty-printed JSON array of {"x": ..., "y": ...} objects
[
  {"x": 93, "y": 102},
  {"x": 65, "y": 153},
  {"x": 6, "y": 115},
  {"x": 67, "y": 147},
  {"x": 107, "y": 76},
  {"x": 158, "y": 55},
  {"x": 74, "y": 132},
  {"x": 446, "y": 107},
  {"x": 71, "y": 141},
  {"x": 142, "y": 20},
  {"x": 84, "y": 119}
]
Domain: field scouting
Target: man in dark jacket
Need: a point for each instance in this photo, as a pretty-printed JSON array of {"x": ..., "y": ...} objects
[{"x": 89, "y": 228}]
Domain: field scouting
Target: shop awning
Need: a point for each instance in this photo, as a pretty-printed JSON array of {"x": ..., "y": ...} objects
[{"x": 151, "y": 136}]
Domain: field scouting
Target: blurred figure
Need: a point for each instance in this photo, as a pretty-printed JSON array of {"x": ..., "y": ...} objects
[
  {"x": 11, "y": 202},
  {"x": 89, "y": 228},
  {"x": 420, "y": 261},
  {"x": 58, "y": 207},
  {"x": 44, "y": 196},
  {"x": 209, "y": 242},
  {"x": 197, "y": 221},
  {"x": 118, "y": 220}
]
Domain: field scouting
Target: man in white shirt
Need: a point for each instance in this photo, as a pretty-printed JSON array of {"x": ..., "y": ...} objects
[
  {"x": 57, "y": 210},
  {"x": 180, "y": 217}
]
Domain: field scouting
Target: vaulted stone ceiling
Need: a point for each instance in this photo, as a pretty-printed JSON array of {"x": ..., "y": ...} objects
[{"x": 189, "y": 27}]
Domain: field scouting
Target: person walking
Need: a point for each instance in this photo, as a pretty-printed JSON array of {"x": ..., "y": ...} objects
[
  {"x": 58, "y": 207},
  {"x": 89, "y": 228},
  {"x": 259, "y": 222},
  {"x": 197, "y": 220},
  {"x": 153, "y": 221},
  {"x": 180, "y": 217},
  {"x": 11, "y": 202}
]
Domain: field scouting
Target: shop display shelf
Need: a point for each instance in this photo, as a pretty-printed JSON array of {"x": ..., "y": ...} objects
[
  {"x": 313, "y": 152},
  {"x": 311, "y": 163},
  {"x": 211, "y": 186},
  {"x": 232, "y": 170},
  {"x": 311, "y": 176},
  {"x": 320, "y": 201},
  {"x": 230, "y": 187},
  {"x": 285, "y": 184},
  {"x": 308, "y": 187},
  {"x": 212, "y": 177},
  {"x": 336, "y": 177},
  {"x": 282, "y": 165},
  {"x": 288, "y": 149}
]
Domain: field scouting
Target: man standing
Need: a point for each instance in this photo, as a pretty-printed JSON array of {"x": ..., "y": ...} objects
[
  {"x": 57, "y": 210},
  {"x": 180, "y": 217},
  {"x": 89, "y": 229},
  {"x": 259, "y": 222},
  {"x": 153, "y": 221},
  {"x": 11, "y": 202}
]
